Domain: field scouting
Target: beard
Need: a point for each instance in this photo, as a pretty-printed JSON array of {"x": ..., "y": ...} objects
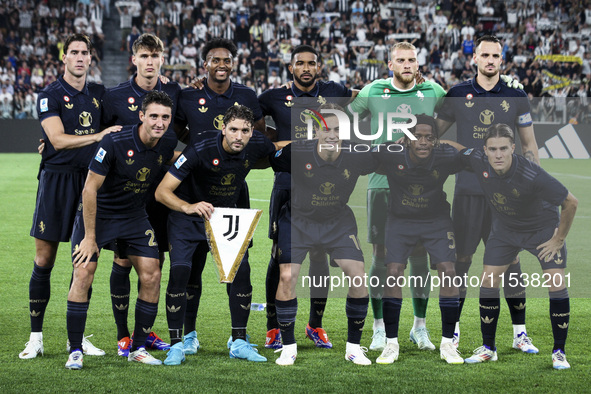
[
  {"x": 305, "y": 84},
  {"x": 404, "y": 78}
]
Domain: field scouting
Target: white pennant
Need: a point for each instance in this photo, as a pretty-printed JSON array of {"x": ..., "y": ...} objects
[{"x": 229, "y": 232}]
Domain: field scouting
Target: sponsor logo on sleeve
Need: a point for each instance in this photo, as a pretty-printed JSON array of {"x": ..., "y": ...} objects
[
  {"x": 525, "y": 119},
  {"x": 180, "y": 161},
  {"x": 100, "y": 155},
  {"x": 44, "y": 105}
]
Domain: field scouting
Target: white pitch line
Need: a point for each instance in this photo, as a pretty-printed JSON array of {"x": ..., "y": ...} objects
[{"x": 571, "y": 175}]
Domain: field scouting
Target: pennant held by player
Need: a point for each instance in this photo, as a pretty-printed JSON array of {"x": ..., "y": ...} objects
[{"x": 229, "y": 232}]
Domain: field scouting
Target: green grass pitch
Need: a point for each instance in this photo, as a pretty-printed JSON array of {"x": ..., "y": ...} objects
[{"x": 317, "y": 370}]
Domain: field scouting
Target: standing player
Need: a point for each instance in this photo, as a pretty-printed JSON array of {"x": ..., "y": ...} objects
[
  {"x": 418, "y": 212},
  {"x": 397, "y": 94},
  {"x": 281, "y": 104},
  {"x": 209, "y": 173},
  {"x": 523, "y": 199},
  {"x": 201, "y": 110},
  {"x": 324, "y": 173},
  {"x": 121, "y": 105},
  {"x": 114, "y": 212},
  {"x": 69, "y": 110},
  {"x": 475, "y": 105}
]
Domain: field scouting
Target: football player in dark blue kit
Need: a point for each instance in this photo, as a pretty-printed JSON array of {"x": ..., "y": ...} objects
[
  {"x": 324, "y": 174},
  {"x": 69, "y": 111},
  {"x": 474, "y": 105},
  {"x": 523, "y": 199},
  {"x": 281, "y": 104},
  {"x": 418, "y": 212},
  {"x": 121, "y": 105},
  {"x": 209, "y": 173},
  {"x": 200, "y": 110},
  {"x": 113, "y": 213}
]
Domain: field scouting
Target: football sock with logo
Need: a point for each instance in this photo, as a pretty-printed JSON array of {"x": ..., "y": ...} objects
[
  {"x": 356, "y": 309},
  {"x": 318, "y": 271},
  {"x": 449, "y": 315},
  {"x": 240, "y": 295},
  {"x": 419, "y": 267},
  {"x": 286, "y": 316},
  {"x": 145, "y": 314},
  {"x": 119, "y": 283},
  {"x": 392, "y": 308},
  {"x": 462, "y": 269},
  {"x": 76, "y": 321},
  {"x": 195, "y": 286},
  {"x": 490, "y": 306},
  {"x": 377, "y": 270},
  {"x": 317, "y": 307},
  {"x": 559, "y": 317},
  {"x": 271, "y": 285},
  {"x": 515, "y": 293},
  {"x": 39, "y": 293},
  {"x": 176, "y": 297}
]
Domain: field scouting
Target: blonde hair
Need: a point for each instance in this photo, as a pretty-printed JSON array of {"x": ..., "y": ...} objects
[{"x": 404, "y": 45}]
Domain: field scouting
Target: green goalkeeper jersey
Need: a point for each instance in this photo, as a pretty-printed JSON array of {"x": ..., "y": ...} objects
[{"x": 380, "y": 97}]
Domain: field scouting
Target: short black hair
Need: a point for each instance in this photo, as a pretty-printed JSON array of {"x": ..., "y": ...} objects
[
  {"x": 156, "y": 97},
  {"x": 499, "y": 130},
  {"x": 218, "y": 43},
  {"x": 305, "y": 48},
  {"x": 487, "y": 38},
  {"x": 78, "y": 37},
  {"x": 239, "y": 112}
]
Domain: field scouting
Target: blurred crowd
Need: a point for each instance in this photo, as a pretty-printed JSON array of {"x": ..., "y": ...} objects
[{"x": 546, "y": 42}]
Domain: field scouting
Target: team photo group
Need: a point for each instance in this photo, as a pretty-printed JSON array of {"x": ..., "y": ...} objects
[{"x": 113, "y": 177}]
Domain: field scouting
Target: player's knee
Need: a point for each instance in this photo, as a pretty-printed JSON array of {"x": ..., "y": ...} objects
[
  {"x": 395, "y": 270},
  {"x": 82, "y": 279},
  {"x": 150, "y": 279},
  {"x": 121, "y": 262},
  {"x": 447, "y": 270}
]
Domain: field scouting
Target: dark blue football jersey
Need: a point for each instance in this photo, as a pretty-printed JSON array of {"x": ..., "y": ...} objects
[
  {"x": 204, "y": 109},
  {"x": 80, "y": 113},
  {"x": 474, "y": 110},
  {"x": 416, "y": 190},
  {"x": 286, "y": 105},
  {"x": 209, "y": 173},
  {"x": 525, "y": 198},
  {"x": 321, "y": 189},
  {"x": 130, "y": 169},
  {"x": 122, "y": 103}
]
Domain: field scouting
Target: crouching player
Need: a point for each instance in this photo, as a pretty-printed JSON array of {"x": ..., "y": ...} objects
[
  {"x": 524, "y": 200},
  {"x": 113, "y": 212},
  {"x": 324, "y": 173},
  {"x": 418, "y": 212}
]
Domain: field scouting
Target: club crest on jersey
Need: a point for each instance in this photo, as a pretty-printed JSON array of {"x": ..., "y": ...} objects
[
  {"x": 321, "y": 100},
  {"x": 202, "y": 102},
  {"x": 505, "y": 105},
  {"x": 215, "y": 162},
  {"x": 131, "y": 100},
  {"x": 95, "y": 102},
  {"x": 66, "y": 99},
  {"x": 400, "y": 167},
  {"x": 485, "y": 174},
  {"x": 289, "y": 102},
  {"x": 130, "y": 153},
  {"x": 386, "y": 94},
  {"x": 308, "y": 166},
  {"x": 469, "y": 103},
  {"x": 420, "y": 95}
]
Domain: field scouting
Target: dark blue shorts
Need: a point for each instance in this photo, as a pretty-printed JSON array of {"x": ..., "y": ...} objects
[
  {"x": 503, "y": 246},
  {"x": 133, "y": 236},
  {"x": 158, "y": 217},
  {"x": 184, "y": 235},
  {"x": 338, "y": 237},
  {"x": 472, "y": 222},
  {"x": 436, "y": 235},
  {"x": 58, "y": 197}
]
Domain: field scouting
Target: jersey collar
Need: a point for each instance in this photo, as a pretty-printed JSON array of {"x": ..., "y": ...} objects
[
  {"x": 70, "y": 89},
  {"x": 140, "y": 146},
  {"x": 480, "y": 90},
  {"x": 321, "y": 162},
  {"x": 211, "y": 94},
  {"x": 312, "y": 93},
  {"x": 402, "y": 90},
  {"x": 141, "y": 92}
]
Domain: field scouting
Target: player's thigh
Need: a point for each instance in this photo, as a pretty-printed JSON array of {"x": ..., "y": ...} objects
[
  {"x": 184, "y": 235},
  {"x": 402, "y": 235},
  {"x": 439, "y": 241}
]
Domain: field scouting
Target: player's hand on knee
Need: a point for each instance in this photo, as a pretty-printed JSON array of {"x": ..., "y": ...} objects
[
  {"x": 550, "y": 248},
  {"x": 84, "y": 252},
  {"x": 202, "y": 209}
]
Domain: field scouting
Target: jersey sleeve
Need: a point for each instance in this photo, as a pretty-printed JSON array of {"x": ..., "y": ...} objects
[
  {"x": 446, "y": 110},
  {"x": 108, "y": 117},
  {"x": 184, "y": 164},
  {"x": 104, "y": 157},
  {"x": 180, "y": 116},
  {"x": 524, "y": 118},
  {"x": 361, "y": 103},
  {"x": 469, "y": 158},
  {"x": 281, "y": 160},
  {"x": 264, "y": 103},
  {"x": 549, "y": 188},
  {"x": 47, "y": 106}
]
